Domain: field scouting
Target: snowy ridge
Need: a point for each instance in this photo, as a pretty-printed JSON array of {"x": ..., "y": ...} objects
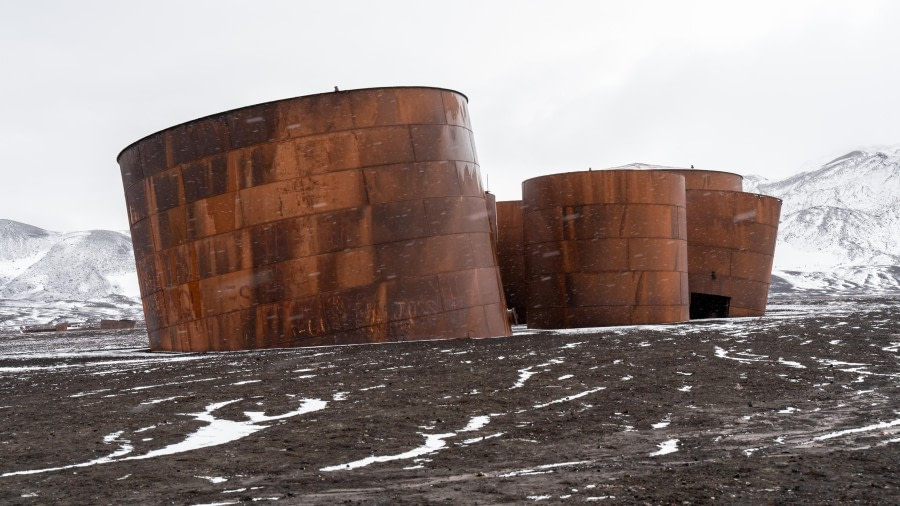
[
  {"x": 36, "y": 264},
  {"x": 840, "y": 224},
  {"x": 20, "y": 246}
]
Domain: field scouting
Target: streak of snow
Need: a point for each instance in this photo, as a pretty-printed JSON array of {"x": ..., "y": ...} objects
[
  {"x": 146, "y": 387},
  {"x": 213, "y": 479},
  {"x": 826, "y": 361},
  {"x": 217, "y": 432},
  {"x": 92, "y": 392},
  {"x": 157, "y": 401},
  {"x": 526, "y": 373},
  {"x": 475, "y": 423},
  {"x": 868, "y": 428},
  {"x": 570, "y": 397},
  {"x": 433, "y": 443},
  {"x": 543, "y": 468},
  {"x": 795, "y": 365},
  {"x": 480, "y": 439},
  {"x": 666, "y": 447},
  {"x": 663, "y": 423},
  {"x": 124, "y": 449},
  {"x": 221, "y": 431},
  {"x": 103, "y": 363},
  {"x": 721, "y": 353}
]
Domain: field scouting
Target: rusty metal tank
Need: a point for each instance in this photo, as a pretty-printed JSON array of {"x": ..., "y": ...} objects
[
  {"x": 346, "y": 217},
  {"x": 731, "y": 244},
  {"x": 511, "y": 256},
  {"x": 605, "y": 248}
]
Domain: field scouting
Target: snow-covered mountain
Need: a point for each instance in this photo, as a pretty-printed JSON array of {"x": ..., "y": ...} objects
[
  {"x": 20, "y": 246},
  {"x": 37, "y": 264},
  {"x": 840, "y": 224}
]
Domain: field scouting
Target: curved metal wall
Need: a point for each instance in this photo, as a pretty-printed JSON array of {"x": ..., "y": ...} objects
[
  {"x": 344, "y": 217},
  {"x": 511, "y": 256},
  {"x": 490, "y": 200},
  {"x": 731, "y": 244},
  {"x": 605, "y": 248},
  {"x": 696, "y": 179}
]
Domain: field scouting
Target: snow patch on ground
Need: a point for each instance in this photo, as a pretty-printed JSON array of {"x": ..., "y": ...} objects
[
  {"x": 867, "y": 428},
  {"x": 666, "y": 447},
  {"x": 218, "y": 431},
  {"x": 433, "y": 443}
]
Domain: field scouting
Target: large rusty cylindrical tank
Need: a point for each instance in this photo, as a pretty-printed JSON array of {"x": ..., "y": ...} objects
[
  {"x": 731, "y": 244},
  {"x": 511, "y": 256},
  {"x": 346, "y": 217},
  {"x": 605, "y": 248}
]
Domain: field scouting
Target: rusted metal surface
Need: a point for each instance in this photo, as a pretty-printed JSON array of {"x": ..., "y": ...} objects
[
  {"x": 511, "y": 256},
  {"x": 731, "y": 244},
  {"x": 696, "y": 179},
  {"x": 344, "y": 217},
  {"x": 490, "y": 201},
  {"x": 605, "y": 248},
  {"x": 117, "y": 324}
]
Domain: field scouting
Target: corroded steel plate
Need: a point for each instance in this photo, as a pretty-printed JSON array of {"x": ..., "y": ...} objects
[{"x": 696, "y": 179}]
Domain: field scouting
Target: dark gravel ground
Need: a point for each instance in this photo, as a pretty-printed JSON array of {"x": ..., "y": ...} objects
[{"x": 801, "y": 406}]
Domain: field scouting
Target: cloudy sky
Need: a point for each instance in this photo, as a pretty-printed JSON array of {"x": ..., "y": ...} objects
[{"x": 754, "y": 87}]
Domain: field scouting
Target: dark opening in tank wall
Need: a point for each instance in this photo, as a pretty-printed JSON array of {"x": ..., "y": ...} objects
[{"x": 704, "y": 305}]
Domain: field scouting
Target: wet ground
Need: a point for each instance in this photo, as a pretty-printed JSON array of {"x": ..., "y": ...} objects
[{"x": 801, "y": 406}]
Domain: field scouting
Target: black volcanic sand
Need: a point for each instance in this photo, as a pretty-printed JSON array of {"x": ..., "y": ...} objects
[{"x": 801, "y": 406}]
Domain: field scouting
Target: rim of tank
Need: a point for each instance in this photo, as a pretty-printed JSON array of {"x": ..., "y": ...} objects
[
  {"x": 650, "y": 166},
  {"x": 676, "y": 169},
  {"x": 763, "y": 195},
  {"x": 598, "y": 171},
  {"x": 208, "y": 116}
]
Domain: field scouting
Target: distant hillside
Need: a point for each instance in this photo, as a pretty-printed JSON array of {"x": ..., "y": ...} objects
[
  {"x": 840, "y": 224},
  {"x": 37, "y": 264}
]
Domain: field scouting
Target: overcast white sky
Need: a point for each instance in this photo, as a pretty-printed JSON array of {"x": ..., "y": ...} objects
[{"x": 753, "y": 87}]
